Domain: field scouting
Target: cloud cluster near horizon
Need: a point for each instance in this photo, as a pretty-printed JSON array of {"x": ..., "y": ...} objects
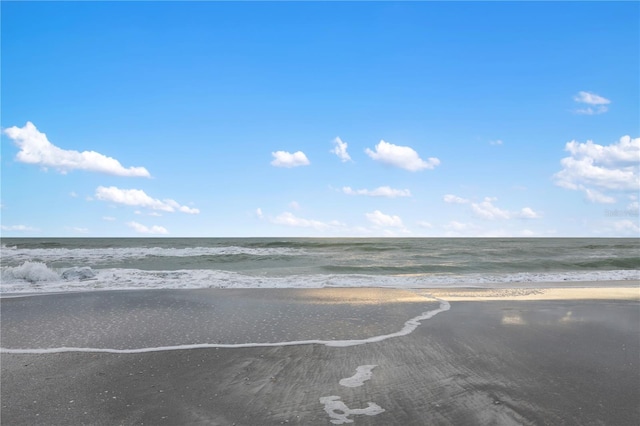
[
  {"x": 142, "y": 229},
  {"x": 600, "y": 171},
  {"x": 138, "y": 198},
  {"x": 486, "y": 209},
  {"x": 17, "y": 228},
  {"x": 384, "y": 220},
  {"x": 35, "y": 148}
]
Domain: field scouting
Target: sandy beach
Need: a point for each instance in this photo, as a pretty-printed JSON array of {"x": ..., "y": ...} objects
[{"x": 539, "y": 356}]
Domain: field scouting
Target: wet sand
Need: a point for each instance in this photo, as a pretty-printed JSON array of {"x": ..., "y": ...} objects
[{"x": 507, "y": 357}]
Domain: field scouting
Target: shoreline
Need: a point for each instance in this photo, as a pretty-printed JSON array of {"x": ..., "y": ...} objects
[
  {"x": 548, "y": 357},
  {"x": 528, "y": 285}
]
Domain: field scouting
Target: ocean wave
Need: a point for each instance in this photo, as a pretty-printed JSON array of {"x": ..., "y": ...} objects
[
  {"x": 14, "y": 255},
  {"x": 30, "y": 272},
  {"x": 37, "y": 277}
]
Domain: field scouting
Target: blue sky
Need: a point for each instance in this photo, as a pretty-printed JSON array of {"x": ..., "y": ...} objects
[{"x": 291, "y": 119}]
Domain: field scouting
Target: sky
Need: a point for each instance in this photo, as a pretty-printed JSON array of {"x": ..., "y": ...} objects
[{"x": 320, "y": 119}]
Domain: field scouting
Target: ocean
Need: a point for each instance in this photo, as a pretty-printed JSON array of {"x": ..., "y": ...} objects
[{"x": 32, "y": 265}]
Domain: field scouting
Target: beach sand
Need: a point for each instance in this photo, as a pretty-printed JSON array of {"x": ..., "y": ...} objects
[{"x": 567, "y": 356}]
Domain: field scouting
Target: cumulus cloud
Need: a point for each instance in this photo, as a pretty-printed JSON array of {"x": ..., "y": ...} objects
[
  {"x": 598, "y": 197},
  {"x": 35, "y": 148},
  {"x": 380, "y": 219},
  {"x": 289, "y": 219},
  {"x": 454, "y": 199},
  {"x": 528, "y": 213},
  {"x": 138, "y": 198},
  {"x": 340, "y": 149},
  {"x": 594, "y": 168},
  {"x": 142, "y": 229},
  {"x": 286, "y": 159},
  {"x": 108, "y": 218},
  {"x": 487, "y": 210},
  {"x": 597, "y": 104},
  {"x": 382, "y": 191},
  {"x": 22, "y": 228},
  {"x": 401, "y": 156},
  {"x": 496, "y": 142},
  {"x": 259, "y": 213}
]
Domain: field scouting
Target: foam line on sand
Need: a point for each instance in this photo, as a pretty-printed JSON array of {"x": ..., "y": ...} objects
[{"x": 408, "y": 328}]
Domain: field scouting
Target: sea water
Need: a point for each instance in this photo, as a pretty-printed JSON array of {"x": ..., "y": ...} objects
[{"x": 31, "y": 265}]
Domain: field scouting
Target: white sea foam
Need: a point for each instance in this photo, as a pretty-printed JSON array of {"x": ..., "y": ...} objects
[
  {"x": 98, "y": 256},
  {"x": 363, "y": 373},
  {"x": 339, "y": 412},
  {"x": 29, "y": 272},
  {"x": 37, "y": 277}
]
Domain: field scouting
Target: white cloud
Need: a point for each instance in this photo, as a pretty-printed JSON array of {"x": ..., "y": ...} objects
[
  {"x": 259, "y": 213},
  {"x": 340, "y": 149},
  {"x": 460, "y": 229},
  {"x": 289, "y": 219},
  {"x": 78, "y": 229},
  {"x": 151, "y": 213},
  {"x": 458, "y": 226},
  {"x": 35, "y": 148},
  {"x": 590, "y": 99},
  {"x": 73, "y": 194},
  {"x": 401, "y": 156},
  {"x": 592, "y": 111},
  {"x": 142, "y": 229},
  {"x": 496, "y": 142},
  {"x": 454, "y": 199},
  {"x": 294, "y": 205},
  {"x": 138, "y": 198},
  {"x": 109, "y": 218},
  {"x": 380, "y": 219},
  {"x": 593, "y": 168},
  {"x": 189, "y": 210},
  {"x": 22, "y": 228},
  {"x": 627, "y": 225},
  {"x": 598, "y": 197},
  {"x": 286, "y": 159},
  {"x": 382, "y": 191},
  {"x": 424, "y": 224},
  {"x": 487, "y": 210},
  {"x": 528, "y": 213},
  {"x": 598, "y": 104}
]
